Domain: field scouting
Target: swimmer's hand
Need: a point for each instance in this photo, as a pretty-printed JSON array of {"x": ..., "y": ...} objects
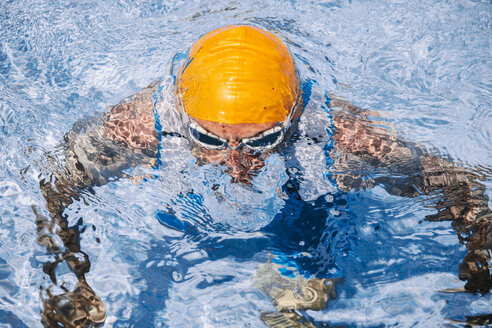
[
  {"x": 298, "y": 293},
  {"x": 76, "y": 309}
]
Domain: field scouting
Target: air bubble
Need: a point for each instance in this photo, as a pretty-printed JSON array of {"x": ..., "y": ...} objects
[{"x": 177, "y": 276}]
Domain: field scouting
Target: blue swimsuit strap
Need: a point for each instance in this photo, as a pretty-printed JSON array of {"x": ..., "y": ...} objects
[
  {"x": 157, "y": 124},
  {"x": 307, "y": 87},
  {"x": 330, "y": 145}
]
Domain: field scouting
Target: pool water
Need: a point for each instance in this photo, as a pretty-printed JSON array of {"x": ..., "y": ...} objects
[{"x": 184, "y": 246}]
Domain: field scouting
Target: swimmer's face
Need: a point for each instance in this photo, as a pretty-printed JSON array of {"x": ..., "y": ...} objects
[
  {"x": 236, "y": 75},
  {"x": 241, "y": 163}
]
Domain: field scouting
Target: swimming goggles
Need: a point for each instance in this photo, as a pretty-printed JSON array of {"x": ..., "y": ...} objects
[{"x": 263, "y": 141}]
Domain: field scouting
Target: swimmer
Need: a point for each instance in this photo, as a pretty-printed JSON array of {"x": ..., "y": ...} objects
[{"x": 238, "y": 97}]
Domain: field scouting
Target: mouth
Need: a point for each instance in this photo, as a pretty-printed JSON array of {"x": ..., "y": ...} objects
[
  {"x": 241, "y": 165},
  {"x": 244, "y": 169}
]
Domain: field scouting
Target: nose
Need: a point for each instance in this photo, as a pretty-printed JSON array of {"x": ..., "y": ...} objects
[
  {"x": 234, "y": 159},
  {"x": 233, "y": 144},
  {"x": 236, "y": 168}
]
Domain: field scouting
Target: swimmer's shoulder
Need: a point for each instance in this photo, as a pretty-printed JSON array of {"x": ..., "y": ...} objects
[
  {"x": 101, "y": 147},
  {"x": 132, "y": 121}
]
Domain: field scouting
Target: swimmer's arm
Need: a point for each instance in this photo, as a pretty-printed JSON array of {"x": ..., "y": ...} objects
[
  {"x": 130, "y": 125},
  {"x": 361, "y": 148}
]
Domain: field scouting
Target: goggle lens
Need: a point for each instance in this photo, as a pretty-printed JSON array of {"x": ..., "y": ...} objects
[
  {"x": 265, "y": 141},
  {"x": 207, "y": 140}
]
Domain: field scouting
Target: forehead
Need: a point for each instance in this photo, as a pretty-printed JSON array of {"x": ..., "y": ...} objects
[{"x": 235, "y": 131}]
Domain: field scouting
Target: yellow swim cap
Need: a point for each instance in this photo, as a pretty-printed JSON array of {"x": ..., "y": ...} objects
[{"x": 238, "y": 74}]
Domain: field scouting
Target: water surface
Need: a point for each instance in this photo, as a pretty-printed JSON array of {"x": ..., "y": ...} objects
[{"x": 423, "y": 66}]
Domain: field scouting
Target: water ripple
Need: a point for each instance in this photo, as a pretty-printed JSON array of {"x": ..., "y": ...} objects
[{"x": 180, "y": 245}]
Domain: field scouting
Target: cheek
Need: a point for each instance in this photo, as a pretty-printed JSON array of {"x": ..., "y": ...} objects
[{"x": 207, "y": 156}]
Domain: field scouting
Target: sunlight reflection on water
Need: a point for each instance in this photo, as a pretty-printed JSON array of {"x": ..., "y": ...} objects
[{"x": 424, "y": 66}]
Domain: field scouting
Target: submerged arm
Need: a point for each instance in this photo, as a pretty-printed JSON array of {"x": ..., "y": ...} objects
[
  {"x": 367, "y": 155},
  {"x": 95, "y": 151}
]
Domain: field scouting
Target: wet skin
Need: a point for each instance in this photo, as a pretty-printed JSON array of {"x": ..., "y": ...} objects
[{"x": 240, "y": 163}]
